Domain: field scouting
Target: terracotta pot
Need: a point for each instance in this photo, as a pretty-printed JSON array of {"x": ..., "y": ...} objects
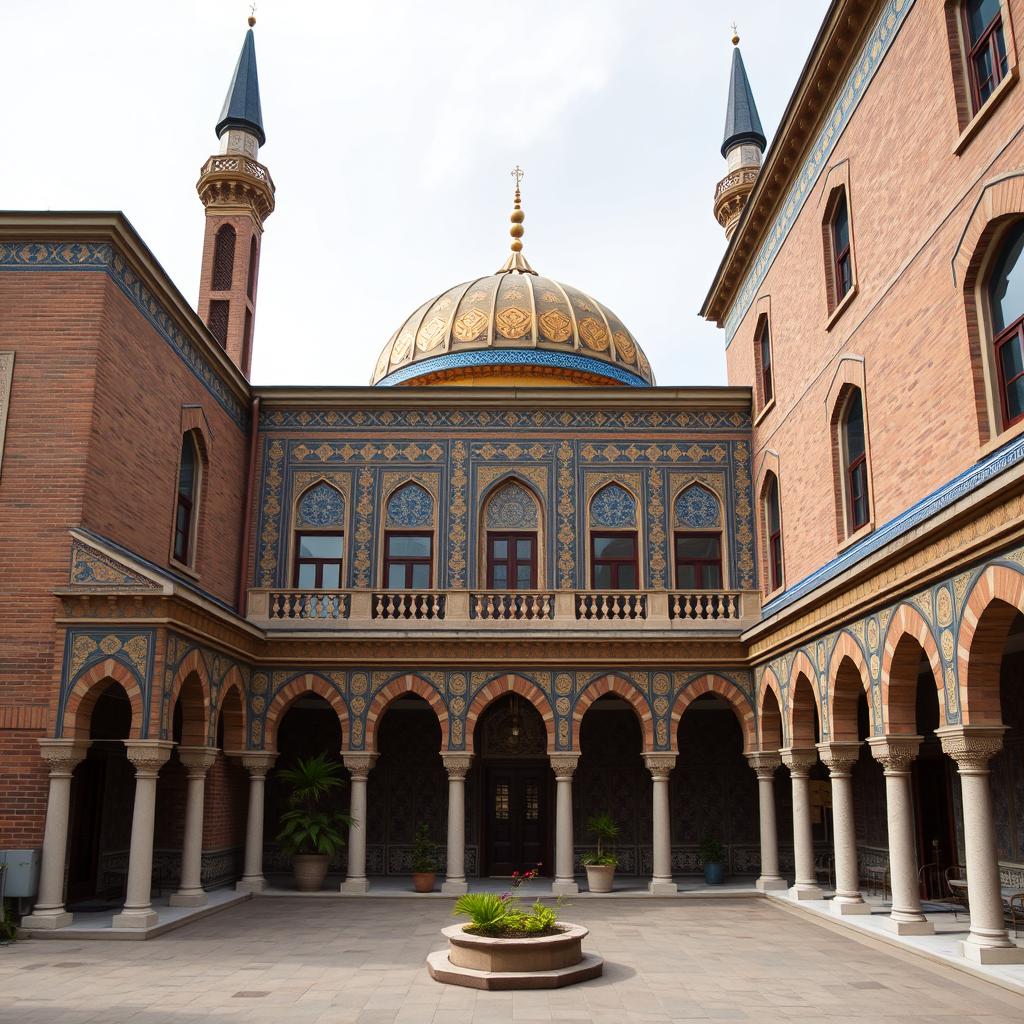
[
  {"x": 423, "y": 881},
  {"x": 310, "y": 870},
  {"x": 600, "y": 877}
]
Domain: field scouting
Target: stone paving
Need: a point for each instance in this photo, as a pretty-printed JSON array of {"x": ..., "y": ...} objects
[{"x": 361, "y": 961}]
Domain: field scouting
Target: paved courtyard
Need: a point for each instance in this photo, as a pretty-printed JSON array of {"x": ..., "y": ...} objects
[{"x": 309, "y": 961}]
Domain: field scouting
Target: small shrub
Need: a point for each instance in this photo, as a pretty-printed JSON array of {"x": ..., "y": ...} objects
[
  {"x": 711, "y": 851},
  {"x": 604, "y": 829},
  {"x": 424, "y": 852},
  {"x": 484, "y": 909}
]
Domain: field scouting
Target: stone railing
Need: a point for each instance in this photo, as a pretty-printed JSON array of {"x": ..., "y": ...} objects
[{"x": 726, "y": 611}]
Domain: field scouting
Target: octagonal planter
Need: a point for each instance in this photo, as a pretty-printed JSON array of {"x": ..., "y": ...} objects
[{"x": 551, "y": 961}]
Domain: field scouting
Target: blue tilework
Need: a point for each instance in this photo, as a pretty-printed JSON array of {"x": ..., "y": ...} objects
[{"x": 614, "y": 507}]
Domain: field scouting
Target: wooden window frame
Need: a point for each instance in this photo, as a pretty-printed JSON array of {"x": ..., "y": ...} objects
[
  {"x": 408, "y": 561},
  {"x": 699, "y": 563},
  {"x": 776, "y": 566},
  {"x": 842, "y": 286},
  {"x": 615, "y": 563},
  {"x": 1014, "y": 332},
  {"x": 512, "y": 537},
  {"x": 319, "y": 563},
  {"x": 189, "y": 503},
  {"x": 986, "y": 41},
  {"x": 855, "y": 467}
]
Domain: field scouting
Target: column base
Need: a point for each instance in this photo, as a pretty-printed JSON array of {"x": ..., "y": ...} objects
[
  {"x": 845, "y": 907},
  {"x": 255, "y": 883},
  {"x": 804, "y": 891},
  {"x": 662, "y": 887},
  {"x": 355, "y": 886},
  {"x": 135, "y": 919},
  {"x": 564, "y": 887},
  {"x": 454, "y": 887},
  {"x": 770, "y": 884},
  {"x": 980, "y": 954},
  {"x": 48, "y": 919},
  {"x": 188, "y": 899},
  {"x": 922, "y": 927}
]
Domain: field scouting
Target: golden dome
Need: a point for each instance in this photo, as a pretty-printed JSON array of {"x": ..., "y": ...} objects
[{"x": 513, "y": 327}]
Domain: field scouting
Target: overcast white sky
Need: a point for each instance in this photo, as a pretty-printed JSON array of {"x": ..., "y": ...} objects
[{"x": 392, "y": 127}]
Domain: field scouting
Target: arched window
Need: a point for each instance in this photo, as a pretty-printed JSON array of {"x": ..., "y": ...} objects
[
  {"x": 223, "y": 259},
  {"x": 409, "y": 539},
  {"x": 186, "y": 502},
  {"x": 855, "y": 461},
  {"x": 511, "y": 523},
  {"x": 1006, "y": 308},
  {"x": 250, "y": 287},
  {"x": 319, "y": 538},
  {"x": 613, "y": 540},
  {"x": 763, "y": 357},
  {"x": 697, "y": 519},
  {"x": 842, "y": 263},
  {"x": 773, "y": 531},
  {"x": 985, "y": 44}
]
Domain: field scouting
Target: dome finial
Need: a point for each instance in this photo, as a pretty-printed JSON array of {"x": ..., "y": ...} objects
[
  {"x": 735, "y": 35},
  {"x": 252, "y": 15},
  {"x": 517, "y": 261}
]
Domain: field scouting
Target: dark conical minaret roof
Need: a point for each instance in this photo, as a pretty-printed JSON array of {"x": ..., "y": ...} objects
[
  {"x": 742, "y": 125},
  {"x": 242, "y": 103}
]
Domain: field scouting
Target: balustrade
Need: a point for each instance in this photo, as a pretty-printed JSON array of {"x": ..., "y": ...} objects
[
  {"x": 308, "y": 604},
  {"x": 407, "y": 604},
  {"x": 705, "y": 605},
  {"x": 505, "y": 604},
  {"x": 611, "y": 604}
]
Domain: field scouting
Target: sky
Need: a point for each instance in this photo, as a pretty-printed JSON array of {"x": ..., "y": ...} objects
[{"x": 392, "y": 128}]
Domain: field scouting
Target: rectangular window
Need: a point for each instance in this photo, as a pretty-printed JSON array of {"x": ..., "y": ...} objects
[
  {"x": 986, "y": 48},
  {"x": 408, "y": 560},
  {"x": 318, "y": 558},
  {"x": 698, "y": 561},
  {"x": 512, "y": 561},
  {"x": 613, "y": 561}
]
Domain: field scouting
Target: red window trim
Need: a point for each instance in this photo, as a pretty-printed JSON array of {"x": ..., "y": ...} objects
[
  {"x": 614, "y": 563},
  {"x": 841, "y": 255},
  {"x": 700, "y": 563},
  {"x": 764, "y": 334},
  {"x": 858, "y": 467},
  {"x": 512, "y": 561},
  {"x": 407, "y": 560},
  {"x": 182, "y": 536},
  {"x": 319, "y": 563},
  {"x": 775, "y": 566},
  {"x": 986, "y": 41},
  {"x": 1014, "y": 331}
]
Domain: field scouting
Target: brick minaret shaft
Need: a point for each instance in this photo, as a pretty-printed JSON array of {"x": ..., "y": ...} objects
[{"x": 238, "y": 194}]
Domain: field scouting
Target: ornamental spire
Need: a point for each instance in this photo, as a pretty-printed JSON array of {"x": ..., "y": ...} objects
[
  {"x": 241, "y": 109},
  {"x": 517, "y": 261}
]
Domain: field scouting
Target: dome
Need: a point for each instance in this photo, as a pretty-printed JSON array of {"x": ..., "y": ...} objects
[{"x": 513, "y": 327}]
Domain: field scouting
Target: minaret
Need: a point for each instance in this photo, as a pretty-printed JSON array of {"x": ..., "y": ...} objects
[
  {"x": 238, "y": 194},
  {"x": 742, "y": 146}
]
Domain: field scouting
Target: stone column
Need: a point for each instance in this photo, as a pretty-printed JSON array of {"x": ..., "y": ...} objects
[
  {"x": 764, "y": 763},
  {"x": 257, "y": 763},
  {"x": 457, "y": 765},
  {"x": 660, "y": 767},
  {"x": 971, "y": 747},
  {"x": 197, "y": 762},
  {"x": 62, "y": 756},
  {"x": 799, "y": 761},
  {"x": 839, "y": 759},
  {"x": 896, "y": 754},
  {"x": 359, "y": 766},
  {"x": 564, "y": 765},
  {"x": 149, "y": 757}
]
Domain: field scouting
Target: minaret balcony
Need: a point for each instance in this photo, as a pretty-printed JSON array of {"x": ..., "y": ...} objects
[{"x": 232, "y": 180}]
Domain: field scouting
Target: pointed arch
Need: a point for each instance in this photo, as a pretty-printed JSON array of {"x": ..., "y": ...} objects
[
  {"x": 804, "y": 711},
  {"x": 848, "y": 678},
  {"x": 771, "y": 720},
  {"x": 321, "y": 505},
  {"x": 291, "y": 692},
  {"x": 705, "y": 512},
  {"x": 906, "y": 638},
  {"x": 507, "y": 523},
  {"x": 409, "y": 506},
  {"x": 738, "y": 701},
  {"x": 511, "y": 683},
  {"x": 236, "y": 725},
  {"x": 398, "y": 688},
  {"x": 995, "y": 600},
  {"x": 622, "y": 687},
  {"x": 195, "y": 715},
  {"x": 88, "y": 689}
]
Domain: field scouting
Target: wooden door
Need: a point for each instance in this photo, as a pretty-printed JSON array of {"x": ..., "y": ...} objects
[{"x": 515, "y": 817}]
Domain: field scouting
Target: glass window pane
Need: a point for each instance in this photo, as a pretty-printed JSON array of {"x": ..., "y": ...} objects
[
  {"x": 854, "y": 427},
  {"x": 1011, "y": 358},
  {"x": 615, "y": 546},
  {"x": 689, "y": 546},
  {"x": 1015, "y": 399},
  {"x": 980, "y": 14},
  {"x": 187, "y": 472},
  {"x": 406, "y": 545},
  {"x": 500, "y": 576},
  {"x": 320, "y": 545},
  {"x": 602, "y": 576},
  {"x": 499, "y": 548},
  {"x": 523, "y": 577},
  {"x": 420, "y": 576},
  {"x": 1006, "y": 290},
  {"x": 841, "y": 228},
  {"x": 524, "y": 549},
  {"x": 307, "y": 576},
  {"x": 686, "y": 576},
  {"x": 983, "y": 72},
  {"x": 331, "y": 576},
  {"x": 396, "y": 576},
  {"x": 713, "y": 577},
  {"x": 627, "y": 577}
]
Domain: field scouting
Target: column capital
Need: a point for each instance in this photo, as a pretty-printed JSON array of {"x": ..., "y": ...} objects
[
  {"x": 148, "y": 756},
  {"x": 764, "y": 762},
  {"x": 359, "y": 763},
  {"x": 256, "y": 762},
  {"x": 799, "y": 760},
  {"x": 895, "y": 753},
  {"x": 457, "y": 764},
  {"x": 63, "y": 755},
  {"x": 660, "y": 765},
  {"x": 198, "y": 760},
  {"x": 564, "y": 764},
  {"x": 971, "y": 746},
  {"x": 839, "y": 757}
]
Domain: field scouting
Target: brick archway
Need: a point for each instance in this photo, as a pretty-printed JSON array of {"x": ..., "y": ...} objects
[
  {"x": 612, "y": 683},
  {"x": 195, "y": 715},
  {"x": 848, "y": 678},
  {"x": 737, "y": 699},
  {"x": 995, "y": 600},
  {"x": 906, "y": 638},
  {"x": 236, "y": 726},
  {"x": 88, "y": 689},
  {"x": 290, "y": 692},
  {"x": 800, "y": 715},
  {"x": 771, "y": 717},
  {"x": 499, "y": 687},
  {"x": 398, "y": 688}
]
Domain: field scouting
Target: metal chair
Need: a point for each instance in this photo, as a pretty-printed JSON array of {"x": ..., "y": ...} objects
[
  {"x": 1014, "y": 907},
  {"x": 956, "y": 886}
]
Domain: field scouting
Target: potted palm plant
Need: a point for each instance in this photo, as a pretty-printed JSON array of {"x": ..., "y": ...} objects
[
  {"x": 312, "y": 833},
  {"x": 601, "y": 863},
  {"x": 424, "y": 860},
  {"x": 712, "y": 856}
]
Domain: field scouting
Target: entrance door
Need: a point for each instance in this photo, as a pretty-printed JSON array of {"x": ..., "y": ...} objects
[{"x": 515, "y": 815}]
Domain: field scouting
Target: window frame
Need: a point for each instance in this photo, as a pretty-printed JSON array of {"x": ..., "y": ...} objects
[
  {"x": 319, "y": 563},
  {"x": 855, "y": 467},
  {"x": 1014, "y": 332},
  {"x": 513, "y": 562},
  {"x": 986, "y": 41},
  {"x": 700, "y": 563},
  {"x": 615, "y": 563},
  {"x": 842, "y": 287},
  {"x": 408, "y": 561},
  {"x": 771, "y": 493},
  {"x": 189, "y": 502}
]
